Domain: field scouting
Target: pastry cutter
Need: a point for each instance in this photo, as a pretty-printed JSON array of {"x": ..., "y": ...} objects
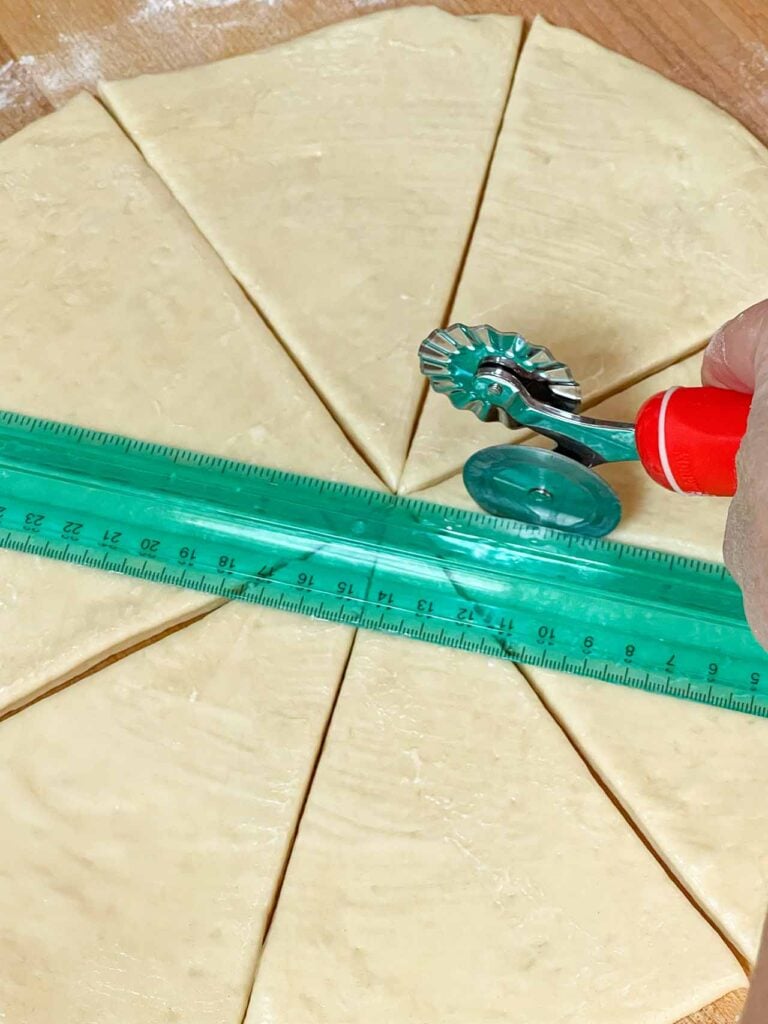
[{"x": 686, "y": 439}]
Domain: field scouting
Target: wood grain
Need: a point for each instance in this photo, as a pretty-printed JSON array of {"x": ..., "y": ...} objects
[
  {"x": 50, "y": 49},
  {"x": 724, "y": 1011},
  {"x": 20, "y": 99}
]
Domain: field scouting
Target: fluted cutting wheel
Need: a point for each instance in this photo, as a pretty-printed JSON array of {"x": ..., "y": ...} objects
[{"x": 452, "y": 357}]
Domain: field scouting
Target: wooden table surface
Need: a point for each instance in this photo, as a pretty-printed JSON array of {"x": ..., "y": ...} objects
[{"x": 49, "y": 49}]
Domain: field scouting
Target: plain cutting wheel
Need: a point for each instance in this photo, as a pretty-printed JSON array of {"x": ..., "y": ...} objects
[{"x": 540, "y": 487}]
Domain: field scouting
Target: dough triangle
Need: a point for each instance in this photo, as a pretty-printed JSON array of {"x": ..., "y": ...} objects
[
  {"x": 115, "y": 314},
  {"x": 692, "y": 777},
  {"x": 623, "y": 222},
  {"x": 338, "y": 176},
  {"x": 147, "y": 813},
  {"x": 456, "y": 862}
]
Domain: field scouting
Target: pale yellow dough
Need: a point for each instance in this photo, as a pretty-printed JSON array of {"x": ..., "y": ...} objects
[
  {"x": 338, "y": 176},
  {"x": 694, "y": 779},
  {"x": 623, "y": 222},
  {"x": 146, "y": 816},
  {"x": 457, "y": 863},
  {"x": 114, "y": 313}
]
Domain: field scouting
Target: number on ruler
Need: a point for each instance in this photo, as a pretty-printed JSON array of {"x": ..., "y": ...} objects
[
  {"x": 149, "y": 546},
  {"x": 111, "y": 538},
  {"x": 545, "y": 636},
  {"x": 71, "y": 530},
  {"x": 187, "y": 556},
  {"x": 33, "y": 521}
]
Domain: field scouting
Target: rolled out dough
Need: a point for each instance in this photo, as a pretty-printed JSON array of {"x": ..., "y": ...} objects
[
  {"x": 146, "y": 816},
  {"x": 149, "y": 833},
  {"x": 623, "y": 222},
  {"x": 114, "y": 313},
  {"x": 456, "y": 862},
  {"x": 338, "y": 176}
]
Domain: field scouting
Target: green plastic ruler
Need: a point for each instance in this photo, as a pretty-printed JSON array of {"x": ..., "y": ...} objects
[{"x": 627, "y": 615}]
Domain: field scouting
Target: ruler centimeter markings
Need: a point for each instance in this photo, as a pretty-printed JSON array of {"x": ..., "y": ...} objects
[{"x": 641, "y": 618}]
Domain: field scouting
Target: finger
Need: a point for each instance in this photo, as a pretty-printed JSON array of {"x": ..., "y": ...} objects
[
  {"x": 746, "y": 535},
  {"x": 737, "y": 350},
  {"x": 742, "y": 539}
]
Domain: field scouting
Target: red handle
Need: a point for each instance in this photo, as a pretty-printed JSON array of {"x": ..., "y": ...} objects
[{"x": 687, "y": 438}]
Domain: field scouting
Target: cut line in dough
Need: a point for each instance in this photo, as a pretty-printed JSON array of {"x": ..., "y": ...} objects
[
  {"x": 116, "y": 314},
  {"x": 623, "y": 222},
  {"x": 147, "y": 814},
  {"x": 456, "y": 862},
  {"x": 338, "y": 175}
]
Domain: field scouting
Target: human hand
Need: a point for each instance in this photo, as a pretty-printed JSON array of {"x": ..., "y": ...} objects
[{"x": 737, "y": 358}]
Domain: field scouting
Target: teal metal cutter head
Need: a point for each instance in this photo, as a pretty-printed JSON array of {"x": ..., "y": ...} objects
[{"x": 501, "y": 377}]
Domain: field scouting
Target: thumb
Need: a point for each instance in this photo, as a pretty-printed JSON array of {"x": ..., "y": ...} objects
[{"x": 737, "y": 349}]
